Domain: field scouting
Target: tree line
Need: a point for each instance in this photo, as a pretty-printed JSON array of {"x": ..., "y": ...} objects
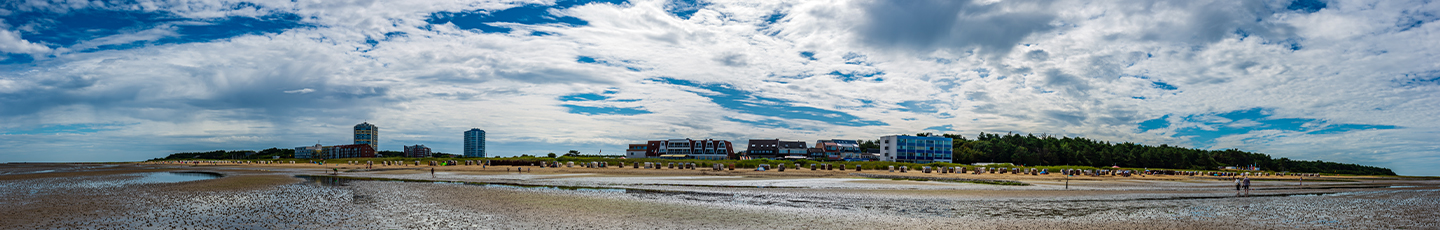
[
  {"x": 1049, "y": 150},
  {"x": 268, "y": 154},
  {"x": 238, "y": 154},
  {"x": 1015, "y": 149}
]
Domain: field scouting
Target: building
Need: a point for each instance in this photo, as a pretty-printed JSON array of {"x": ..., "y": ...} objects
[
  {"x": 417, "y": 151},
  {"x": 474, "y": 143},
  {"x": 915, "y": 149},
  {"x": 307, "y": 152},
  {"x": 871, "y": 154},
  {"x": 637, "y": 151},
  {"x": 793, "y": 150},
  {"x": 775, "y": 149},
  {"x": 708, "y": 149},
  {"x": 762, "y": 148},
  {"x": 331, "y": 152},
  {"x": 349, "y": 151},
  {"x": 835, "y": 150},
  {"x": 367, "y": 134}
]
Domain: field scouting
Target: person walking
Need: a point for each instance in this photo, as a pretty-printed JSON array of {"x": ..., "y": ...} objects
[
  {"x": 1237, "y": 187},
  {"x": 432, "y": 172},
  {"x": 1247, "y": 185}
]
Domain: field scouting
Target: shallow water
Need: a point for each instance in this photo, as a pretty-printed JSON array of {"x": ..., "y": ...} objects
[
  {"x": 173, "y": 177},
  {"x": 344, "y": 181},
  {"x": 145, "y": 178}
]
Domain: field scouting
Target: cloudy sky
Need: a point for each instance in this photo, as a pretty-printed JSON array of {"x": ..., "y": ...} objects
[{"x": 1334, "y": 80}]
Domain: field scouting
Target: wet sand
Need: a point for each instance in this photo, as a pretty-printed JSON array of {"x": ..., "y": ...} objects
[{"x": 466, "y": 197}]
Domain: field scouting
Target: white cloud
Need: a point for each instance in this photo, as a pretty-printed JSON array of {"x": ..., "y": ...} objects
[
  {"x": 159, "y": 32},
  {"x": 10, "y": 42}
]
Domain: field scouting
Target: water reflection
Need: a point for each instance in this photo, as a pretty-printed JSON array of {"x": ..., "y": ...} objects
[
  {"x": 344, "y": 181},
  {"x": 173, "y": 177},
  {"x": 148, "y": 178}
]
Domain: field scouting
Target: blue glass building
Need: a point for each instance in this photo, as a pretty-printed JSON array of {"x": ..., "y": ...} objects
[
  {"x": 916, "y": 149},
  {"x": 475, "y": 143}
]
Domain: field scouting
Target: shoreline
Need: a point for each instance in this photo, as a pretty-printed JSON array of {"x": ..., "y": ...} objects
[{"x": 461, "y": 197}]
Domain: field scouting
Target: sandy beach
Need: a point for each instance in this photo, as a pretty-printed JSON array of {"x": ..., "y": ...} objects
[{"x": 308, "y": 196}]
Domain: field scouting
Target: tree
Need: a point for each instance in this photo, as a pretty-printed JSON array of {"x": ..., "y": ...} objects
[
  {"x": 552, "y": 155},
  {"x": 870, "y": 144},
  {"x": 390, "y": 153},
  {"x": 1049, "y": 150}
]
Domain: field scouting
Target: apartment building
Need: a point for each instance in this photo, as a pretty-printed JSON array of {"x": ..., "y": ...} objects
[{"x": 916, "y": 149}]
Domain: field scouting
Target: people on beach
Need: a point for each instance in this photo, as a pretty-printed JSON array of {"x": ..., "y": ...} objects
[
  {"x": 1237, "y": 187},
  {"x": 432, "y": 172},
  {"x": 1247, "y": 185}
]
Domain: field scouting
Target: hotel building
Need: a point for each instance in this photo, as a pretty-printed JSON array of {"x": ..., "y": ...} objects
[
  {"x": 708, "y": 149},
  {"x": 915, "y": 149}
]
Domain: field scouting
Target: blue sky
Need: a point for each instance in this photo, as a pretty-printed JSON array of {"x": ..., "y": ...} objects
[{"x": 1345, "y": 81}]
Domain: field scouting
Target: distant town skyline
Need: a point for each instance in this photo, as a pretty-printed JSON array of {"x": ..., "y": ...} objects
[{"x": 1334, "y": 80}]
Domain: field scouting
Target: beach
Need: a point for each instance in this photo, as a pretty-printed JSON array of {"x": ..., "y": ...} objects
[{"x": 309, "y": 196}]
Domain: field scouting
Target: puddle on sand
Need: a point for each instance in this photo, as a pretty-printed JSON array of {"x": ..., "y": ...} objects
[
  {"x": 151, "y": 178},
  {"x": 173, "y": 177},
  {"x": 27, "y": 172},
  {"x": 343, "y": 181}
]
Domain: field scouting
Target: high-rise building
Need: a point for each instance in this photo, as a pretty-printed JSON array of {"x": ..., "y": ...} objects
[
  {"x": 367, "y": 134},
  {"x": 475, "y": 143}
]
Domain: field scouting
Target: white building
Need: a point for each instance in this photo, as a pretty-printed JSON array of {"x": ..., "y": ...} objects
[
  {"x": 708, "y": 149},
  {"x": 916, "y": 149}
]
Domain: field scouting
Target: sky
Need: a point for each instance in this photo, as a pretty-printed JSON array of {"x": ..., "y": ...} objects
[{"x": 1333, "y": 80}]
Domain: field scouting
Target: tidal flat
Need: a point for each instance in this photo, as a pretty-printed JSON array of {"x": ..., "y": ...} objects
[{"x": 242, "y": 196}]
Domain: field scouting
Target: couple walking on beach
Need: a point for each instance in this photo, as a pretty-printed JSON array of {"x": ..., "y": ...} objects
[{"x": 1245, "y": 183}]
